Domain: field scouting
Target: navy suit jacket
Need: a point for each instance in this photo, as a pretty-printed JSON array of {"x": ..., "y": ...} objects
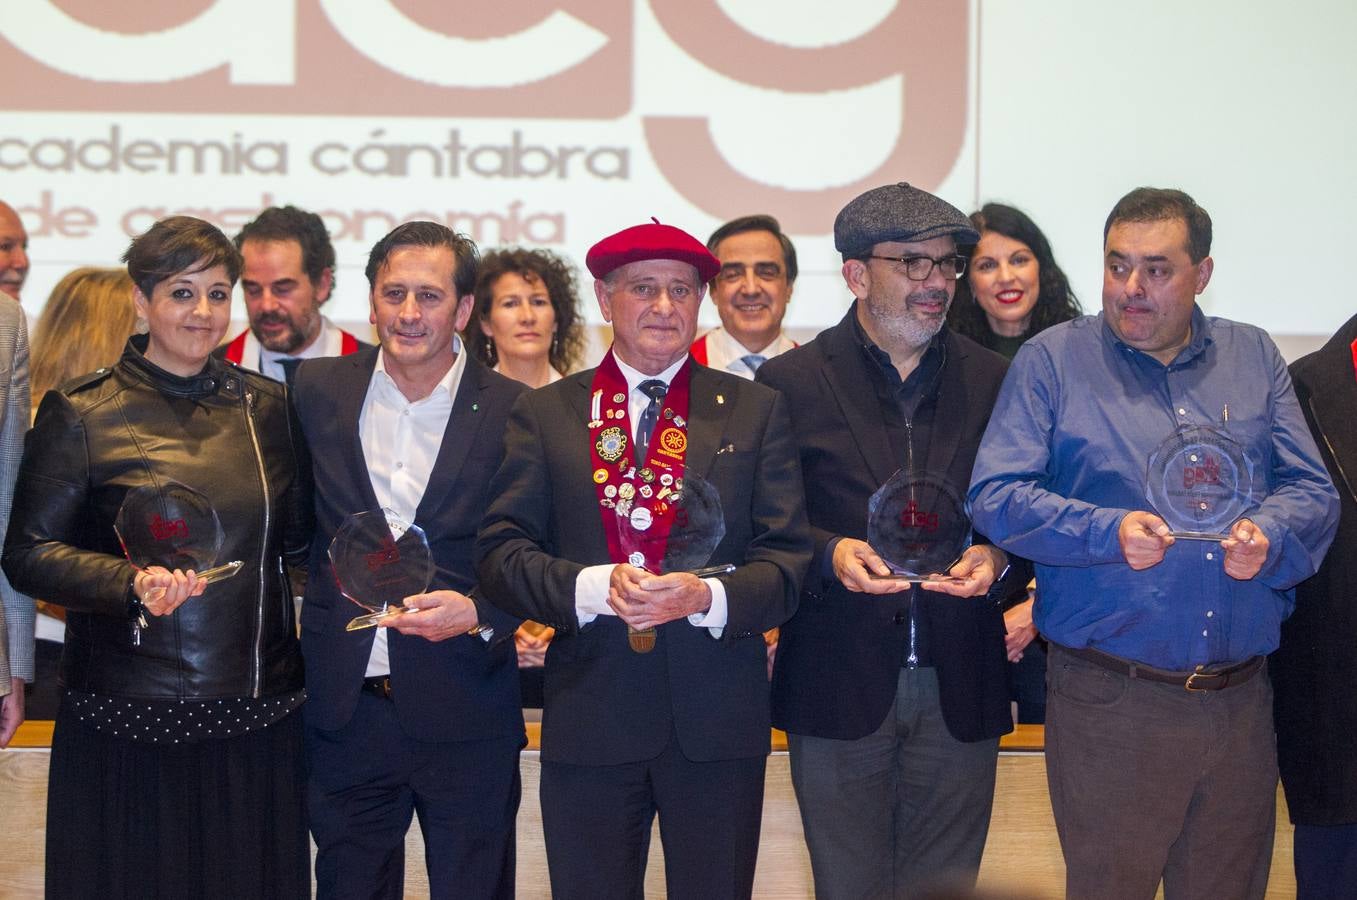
[
  {"x": 463, "y": 688},
  {"x": 606, "y": 704},
  {"x": 838, "y": 661}
]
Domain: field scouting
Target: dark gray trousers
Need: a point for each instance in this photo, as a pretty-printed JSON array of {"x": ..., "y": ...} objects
[
  {"x": 1152, "y": 781},
  {"x": 900, "y": 811}
]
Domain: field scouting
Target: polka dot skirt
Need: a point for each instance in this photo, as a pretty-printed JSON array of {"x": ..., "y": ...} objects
[{"x": 180, "y": 721}]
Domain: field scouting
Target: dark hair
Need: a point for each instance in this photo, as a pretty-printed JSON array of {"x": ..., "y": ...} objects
[
  {"x": 179, "y": 244},
  {"x": 557, "y": 276},
  {"x": 758, "y": 222},
  {"x": 1146, "y": 204},
  {"x": 288, "y": 223},
  {"x": 466, "y": 258},
  {"x": 1056, "y": 303}
]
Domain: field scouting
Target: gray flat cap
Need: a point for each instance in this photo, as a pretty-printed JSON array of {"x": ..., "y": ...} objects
[{"x": 898, "y": 212}]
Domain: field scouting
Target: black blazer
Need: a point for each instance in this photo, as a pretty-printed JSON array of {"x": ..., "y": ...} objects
[
  {"x": 839, "y": 658},
  {"x": 1314, "y": 670},
  {"x": 459, "y": 689},
  {"x": 606, "y": 704}
]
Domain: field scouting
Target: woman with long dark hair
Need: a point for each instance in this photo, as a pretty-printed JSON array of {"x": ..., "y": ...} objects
[{"x": 1014, "y": 289}]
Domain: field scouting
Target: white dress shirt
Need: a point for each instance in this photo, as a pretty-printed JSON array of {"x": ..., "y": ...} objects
[
  {"x": 329, "y": 342},
  {"x": 727, "y": 354},
  {"x": 591, "y": 585},
  {"x": 401, "y": 441}
]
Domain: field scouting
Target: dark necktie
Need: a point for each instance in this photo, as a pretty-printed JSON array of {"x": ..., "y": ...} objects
[
  {"x": 655, "y": 390},
  {"x": 754, "y": 360},
  {"x": 289, "y": 365}
]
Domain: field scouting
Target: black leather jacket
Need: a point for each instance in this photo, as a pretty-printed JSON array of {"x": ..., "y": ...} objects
[{"x": 224, "y": 432}]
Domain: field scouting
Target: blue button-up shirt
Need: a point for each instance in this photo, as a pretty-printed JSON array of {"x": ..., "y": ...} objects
[{"x": 1064, "y": 460}]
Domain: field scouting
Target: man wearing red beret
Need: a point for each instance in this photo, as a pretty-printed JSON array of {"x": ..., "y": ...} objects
[{"x": 656, "y": 688}]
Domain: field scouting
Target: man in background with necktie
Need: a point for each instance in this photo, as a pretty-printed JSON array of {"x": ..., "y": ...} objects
[
  {"x": 288, "y": 274},
  {"x": 751, "y": 290}
]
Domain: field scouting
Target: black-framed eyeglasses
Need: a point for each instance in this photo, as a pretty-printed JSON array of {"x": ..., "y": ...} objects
[{"x": 918, "y": 268}]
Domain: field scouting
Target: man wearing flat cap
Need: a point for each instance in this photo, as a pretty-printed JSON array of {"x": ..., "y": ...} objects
[
  {"x": 656, "y": 688},
  {"x": 893, "y": 694}
]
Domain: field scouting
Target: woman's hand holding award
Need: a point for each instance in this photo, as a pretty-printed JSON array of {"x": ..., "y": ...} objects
[
  {"x": 1201, "y": 481},
  {"x": 172, "y": 526},
  {"x": 917, "y": 523},
  {"x": 697, "y": 526},
  {"x": 379, "y": 559}
]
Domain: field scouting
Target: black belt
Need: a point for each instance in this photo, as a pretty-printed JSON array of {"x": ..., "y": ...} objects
[
  {"x": 1200, "y": 679},
  {"x": 379, "y": 685}
]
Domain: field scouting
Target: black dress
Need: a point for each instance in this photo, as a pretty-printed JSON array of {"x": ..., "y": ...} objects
[{"x": 176, "y": 759}]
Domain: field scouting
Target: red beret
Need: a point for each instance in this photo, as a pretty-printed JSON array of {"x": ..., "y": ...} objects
[{"x": 651, "y": 241}]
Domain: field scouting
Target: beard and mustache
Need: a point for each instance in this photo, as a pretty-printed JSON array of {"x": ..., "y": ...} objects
[
  {"x": 901, "y": 324},
  {"x": 291, "y": 340}
]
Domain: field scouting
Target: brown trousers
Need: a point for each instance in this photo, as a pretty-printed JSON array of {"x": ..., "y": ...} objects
[{"x": 1152, "y": 781}]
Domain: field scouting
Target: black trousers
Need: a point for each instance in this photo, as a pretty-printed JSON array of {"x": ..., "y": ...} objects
[
  {"x": 597, "y": 819},
  {"x": 368, "y": 779}
]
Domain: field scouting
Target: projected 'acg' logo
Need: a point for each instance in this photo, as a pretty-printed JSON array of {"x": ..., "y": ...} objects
[{"x": 567, "y": 59}]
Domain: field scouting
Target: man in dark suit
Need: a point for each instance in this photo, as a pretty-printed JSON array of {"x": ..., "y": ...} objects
[
  {"x": 288, "y": 274},
  {"x": 673, "y": 721},
  {"x": 893, "y": 696},
  {"x": 420, "y": 715},
  {"x": 1314, "y": 671}
]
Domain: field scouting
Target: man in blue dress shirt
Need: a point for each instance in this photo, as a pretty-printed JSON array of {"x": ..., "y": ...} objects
[{"x": 1159, "y": 741}]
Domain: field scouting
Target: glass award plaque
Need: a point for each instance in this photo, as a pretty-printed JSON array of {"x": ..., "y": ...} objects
[
  {"x": 379, "y": 559},
  {"x": 173, "y": 526},
  {"x": 1200, "y": 481},
  {"x": 697, "y": 527},
  {"x": 917, "y": 523}
]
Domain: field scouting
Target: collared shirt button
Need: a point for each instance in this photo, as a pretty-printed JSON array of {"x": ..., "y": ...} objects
[
  {"x": 1210, "y": 555},
  {"x": 1203, "y": 632},
  {"x": 1181, "y": 411},
  {"x": 1210, "y": 613},
  {"x": 400, "y": 465}
]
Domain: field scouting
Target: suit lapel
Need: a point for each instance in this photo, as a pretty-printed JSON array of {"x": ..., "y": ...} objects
[
  {"x": 949, "y": 412},
  {"x": 351, "y": 394},
  {"x": 850, "y": 386},
  {"x": 711, "y": 397},
  {"x": 576, "y": 500},
  {"x": 464, "y": 423},
  {"x": 1333, "y": 400},
  {"x": 578, "y": 395}
]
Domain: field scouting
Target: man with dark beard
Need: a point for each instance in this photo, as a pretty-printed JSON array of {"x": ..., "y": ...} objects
[
  {"x": 289, "y": 273},
  {"x": 893, "y": 694}
]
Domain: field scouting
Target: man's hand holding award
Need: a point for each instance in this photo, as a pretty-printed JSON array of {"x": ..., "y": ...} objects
[{"x": 662, "y": 579}]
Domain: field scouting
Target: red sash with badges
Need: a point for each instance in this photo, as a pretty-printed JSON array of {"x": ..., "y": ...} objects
[{"x": 637, "y": 490}]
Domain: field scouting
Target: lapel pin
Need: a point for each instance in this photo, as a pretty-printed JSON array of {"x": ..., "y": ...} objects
[
  {"x": 475, "y": 407},
  {"x": 720, "y": 399}
]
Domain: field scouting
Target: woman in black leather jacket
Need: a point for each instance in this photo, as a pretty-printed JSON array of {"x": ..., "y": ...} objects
[{"x": 176, "y": 759}]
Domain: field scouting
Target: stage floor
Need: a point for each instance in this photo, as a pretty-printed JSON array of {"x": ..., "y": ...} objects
[{"x": 1022, "y": 856}]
